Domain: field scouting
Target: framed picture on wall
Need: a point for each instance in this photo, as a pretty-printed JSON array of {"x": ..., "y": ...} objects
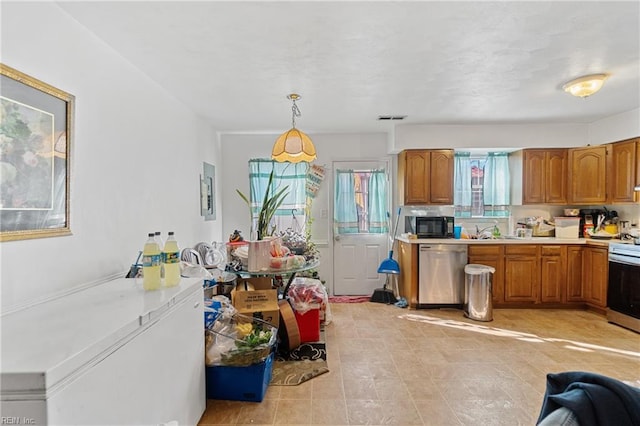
[{"x": 36, "y": 128}]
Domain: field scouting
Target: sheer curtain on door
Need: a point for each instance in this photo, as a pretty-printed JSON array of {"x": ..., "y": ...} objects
[{"x": 360, "y": 202}]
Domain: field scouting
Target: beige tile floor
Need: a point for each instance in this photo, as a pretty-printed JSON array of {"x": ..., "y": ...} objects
[{"x": 392, "y": 366}]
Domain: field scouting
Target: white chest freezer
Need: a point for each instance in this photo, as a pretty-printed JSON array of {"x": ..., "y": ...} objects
[{"x": 110, "y": 354}]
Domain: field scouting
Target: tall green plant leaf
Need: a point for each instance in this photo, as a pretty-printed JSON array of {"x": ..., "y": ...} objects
[
  {"x": 246, "y": 200},
  {"x": 269, "y": 207}
]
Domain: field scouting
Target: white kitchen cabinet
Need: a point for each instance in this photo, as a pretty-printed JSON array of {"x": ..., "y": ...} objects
[{"x": 111, "y": 354}]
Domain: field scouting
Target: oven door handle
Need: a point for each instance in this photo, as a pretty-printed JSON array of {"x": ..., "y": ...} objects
[{"x": 624, "y": 260}]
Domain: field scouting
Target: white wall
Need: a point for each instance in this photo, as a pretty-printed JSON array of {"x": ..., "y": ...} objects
[
  {"x": 136, "y": 158},
  {"x": 615, "y": 128},
  {"x": 489, "y": 136},
  {"x": 237, "y": 149},
  {"x": 611, "y": 129}
]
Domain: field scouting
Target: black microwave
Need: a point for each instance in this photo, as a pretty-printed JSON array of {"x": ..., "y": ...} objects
[{"x": 430, "y": 226}]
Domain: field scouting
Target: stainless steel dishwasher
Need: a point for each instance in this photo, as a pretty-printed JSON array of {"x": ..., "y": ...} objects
[{"x": 441, "y": 275}]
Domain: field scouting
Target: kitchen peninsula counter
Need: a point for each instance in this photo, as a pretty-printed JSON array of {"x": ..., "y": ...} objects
[
  {"x": 540, "y": 272},
  {"x": 532, "y": 240}
]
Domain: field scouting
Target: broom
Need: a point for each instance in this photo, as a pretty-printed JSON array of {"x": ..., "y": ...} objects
[{"x": 390, "y": 267}]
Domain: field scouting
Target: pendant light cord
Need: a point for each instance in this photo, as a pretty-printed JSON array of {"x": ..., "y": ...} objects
[{"x": 295, "y": 112}]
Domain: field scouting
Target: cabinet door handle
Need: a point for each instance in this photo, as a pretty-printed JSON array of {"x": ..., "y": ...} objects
[{"x": 195, "y": 305}]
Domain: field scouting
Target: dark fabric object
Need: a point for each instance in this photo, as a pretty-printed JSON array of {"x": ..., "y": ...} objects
[
  {"x": 560, "y": 417},
  {"x": 309, "y": 351},
  {"x": 595, "y": 399}
]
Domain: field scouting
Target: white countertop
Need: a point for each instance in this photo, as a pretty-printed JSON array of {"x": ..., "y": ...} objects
[
  {"x": 43, "y": 344},
  {"x": 512, "y": 240}
]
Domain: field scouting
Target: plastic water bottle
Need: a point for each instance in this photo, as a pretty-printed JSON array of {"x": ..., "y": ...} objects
[
  {"x": 159, "y": 239},
  {"x": 171, "y": 261},
  {"x": 151, "y": 260}
]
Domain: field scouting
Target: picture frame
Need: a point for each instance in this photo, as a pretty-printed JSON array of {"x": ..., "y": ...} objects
[{"x": 36, "y": 134}]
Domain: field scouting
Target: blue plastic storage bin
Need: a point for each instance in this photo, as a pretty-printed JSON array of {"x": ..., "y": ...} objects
[{"x": 239, "y": 383}]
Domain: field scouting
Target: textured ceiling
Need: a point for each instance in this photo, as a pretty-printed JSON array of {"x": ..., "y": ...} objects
[{"x": 435, "y": 62}]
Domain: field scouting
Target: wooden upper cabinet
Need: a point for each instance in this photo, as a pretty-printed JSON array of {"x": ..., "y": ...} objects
[
  {"x": 533, "y": 176},
  {"x": 441, "y": 182},
  {"x": 622, "y": 171},
  {"x": 425, "y": 176},
  {"x": 544, "y": 176},
  {"x": 588, "y": 175},
  {"x": 556, "y": 177},
  {"x": 638, "y": 168},
  {"x": 416, "y": 173}
]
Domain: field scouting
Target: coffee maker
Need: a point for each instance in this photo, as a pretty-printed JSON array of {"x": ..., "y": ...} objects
[{"x": 588, "y": 214}]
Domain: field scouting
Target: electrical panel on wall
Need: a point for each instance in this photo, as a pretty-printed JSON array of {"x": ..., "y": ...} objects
[{"x": 207, "y": 192}]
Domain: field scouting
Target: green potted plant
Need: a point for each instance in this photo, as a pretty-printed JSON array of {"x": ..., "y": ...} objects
[{"x": 269, "y": 207}]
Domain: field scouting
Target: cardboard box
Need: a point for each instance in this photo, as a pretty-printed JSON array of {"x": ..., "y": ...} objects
[{"x": 255, "y": 298}]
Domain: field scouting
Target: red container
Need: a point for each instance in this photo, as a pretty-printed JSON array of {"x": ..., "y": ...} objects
[{"x": 309, "y": 325}]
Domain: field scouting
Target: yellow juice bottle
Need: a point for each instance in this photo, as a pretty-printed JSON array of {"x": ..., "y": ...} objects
[
  {"x": 151, "y": 260},
  {"x": 171, "y": 261}
]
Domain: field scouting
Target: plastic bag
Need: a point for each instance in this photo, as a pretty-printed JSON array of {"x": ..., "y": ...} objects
[
  {"x": 189, "y": 270},
  {"x": 306, "y": 294},
  {"x": 239, "y": 340},
  {"x": 327, "y": 315},
  {"x": 217, "y": 307}
]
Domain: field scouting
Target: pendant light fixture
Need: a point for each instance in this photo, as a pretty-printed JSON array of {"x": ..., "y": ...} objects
[
  {"x": 293, "y": 145},
  {"x": 586, "y": 85}
]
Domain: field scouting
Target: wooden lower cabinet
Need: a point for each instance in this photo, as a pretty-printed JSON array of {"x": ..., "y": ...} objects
[
  {"x": 574, "y": 274},
  {"x": 595, "y": 276},
  {"x": 408, "y": 279},
  {"x": 540, "y": 275},
  {"x": 490, "y": 255},
  {"x": 553, "y": 273},
  {"x": 522, "y": 273}
]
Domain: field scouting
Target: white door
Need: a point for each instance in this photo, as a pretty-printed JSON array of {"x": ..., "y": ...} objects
[{"x": 357, "y": 255}]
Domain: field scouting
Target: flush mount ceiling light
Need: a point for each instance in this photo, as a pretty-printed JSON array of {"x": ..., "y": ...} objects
[
  {"x": 585, "y": 86},
  {"x": 293, "y": 145}
]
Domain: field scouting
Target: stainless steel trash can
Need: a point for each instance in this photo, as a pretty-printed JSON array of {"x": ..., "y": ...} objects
[{"x": 478, "y": 292}]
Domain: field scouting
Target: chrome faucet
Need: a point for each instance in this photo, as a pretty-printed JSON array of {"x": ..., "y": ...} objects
[{"x": 480, "y": 233}]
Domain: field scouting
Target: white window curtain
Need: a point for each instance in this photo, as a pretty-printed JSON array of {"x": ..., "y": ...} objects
[
  {"x": 462, "y": 184},
  {"x": 496, "y": 185},
  {"x": 481, "y": 185},
  {"x": 291, "y": 214}
]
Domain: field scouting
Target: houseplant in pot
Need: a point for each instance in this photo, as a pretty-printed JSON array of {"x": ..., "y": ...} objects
[{"x": 269, "y": 207}]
